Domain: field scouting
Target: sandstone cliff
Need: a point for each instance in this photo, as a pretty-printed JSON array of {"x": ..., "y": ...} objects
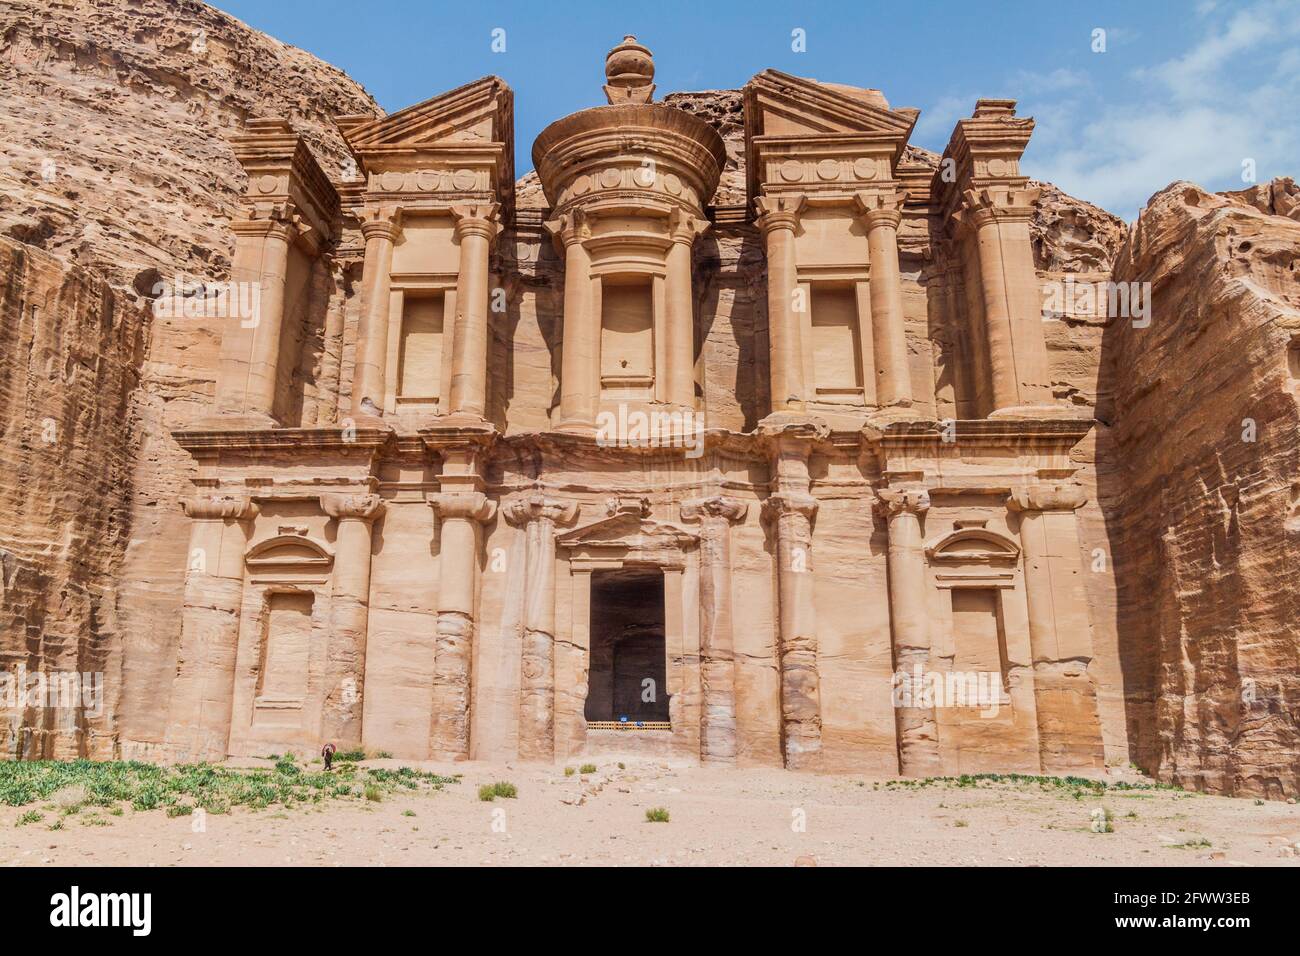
[
  {"x": 115, "y": 115},
  {"x": 1204, "y": 434}
]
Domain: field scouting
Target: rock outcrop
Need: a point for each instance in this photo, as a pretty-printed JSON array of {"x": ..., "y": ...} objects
[
  {"x": 1204, "y": 441},
  {"x": 116, "y": 116}
]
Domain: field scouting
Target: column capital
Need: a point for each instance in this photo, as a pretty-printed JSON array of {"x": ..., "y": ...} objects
[
  {"x": 220, "y": 507},
  {"x": 781, "y": 211},
  {"x": 281, "y": 224},
  {"x": 982, "y": 206},
  {"x": 1047, "y": 496},
  {"x": 473, "y": 505},
  {"x": 381, "y": 222},
  {"x": 722, "y": 507},
  {"x": 535, "y": 506},
  {"x": 908, "y": 500},
  {"x": 783, "y": 503},
  {"x": 340, "y": 505},
  {"x": 477, "y": 219},
  {"x": 685, "y": 228},
  {"x": 573, "y": 226},
  {"x": 879, "y": 208}
]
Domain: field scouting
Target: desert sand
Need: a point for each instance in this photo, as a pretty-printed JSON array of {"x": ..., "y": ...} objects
[{"x": 717, "y": 817}]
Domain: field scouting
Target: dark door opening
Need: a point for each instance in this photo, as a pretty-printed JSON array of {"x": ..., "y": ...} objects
[{"x": 627, "y": 677}]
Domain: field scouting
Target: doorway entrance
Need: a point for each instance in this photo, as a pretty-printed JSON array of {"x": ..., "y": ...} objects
[{"x": 627, "y": 680}]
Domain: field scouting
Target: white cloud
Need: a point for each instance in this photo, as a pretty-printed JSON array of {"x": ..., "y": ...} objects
[{"x": 1195, "y": 116}]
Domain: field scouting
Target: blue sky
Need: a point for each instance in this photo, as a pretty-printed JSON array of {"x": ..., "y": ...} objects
[{"x": 1188, "y": 90}]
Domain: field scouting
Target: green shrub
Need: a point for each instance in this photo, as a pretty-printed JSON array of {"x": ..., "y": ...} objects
[
  {"x": 587, "y": 768},
  {"x": 490, "y": 791},
  {"x": 656, "y": 815}
]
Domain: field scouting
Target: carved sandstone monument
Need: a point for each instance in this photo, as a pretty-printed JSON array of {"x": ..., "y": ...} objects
[{"x": 737, "y": 432}]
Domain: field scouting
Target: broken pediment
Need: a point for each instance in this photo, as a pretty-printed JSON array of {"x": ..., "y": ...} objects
[
  {"x": 628, "y": 531},
  {"x": 459, "y": 142},
  {"x": 778, "y": 104},
  {"x": 809, "y": 136},
  {"x": 478, "y": 112}
]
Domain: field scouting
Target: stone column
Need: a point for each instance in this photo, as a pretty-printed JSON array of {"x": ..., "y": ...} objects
[
  {"x": 1017, "y": 352},
  {"x": 580, "y": 352},
  {"x": 250, "y": 356},
  {"x": 792, "y": 513},
  {"x": 778, "y": 219},
  {"x": 198, "y": 723},
  {"x": 680, "y": 308},
  {"x": 1060, "y": 629},
  {"x": 717, "y": 654},
  {"x": 882, "y": 214},
  {"x": 380, "y": 230},
  {"x": 918, "y": 751},
  {"x": 538, "y": 515},
  {"x": 461, "y": 514},
  {"x": 476, "y": 226},
  {"x": 345, "y": 654}
]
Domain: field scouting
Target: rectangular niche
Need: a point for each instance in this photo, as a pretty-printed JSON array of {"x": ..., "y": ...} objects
[
  {"x": 419, "y": 364},
  {"x": 627, "y": 337},
  {"x": 836, "y": 347},
  {"x": 285, "y": 652},
  {"x": 978, "y": 637}
]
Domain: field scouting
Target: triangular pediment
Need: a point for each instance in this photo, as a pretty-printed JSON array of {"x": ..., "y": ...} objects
[
  {"x": 627, "y": 530},
  {"x": 778, "y": 104},
  {"x": 481, "y": 112}
]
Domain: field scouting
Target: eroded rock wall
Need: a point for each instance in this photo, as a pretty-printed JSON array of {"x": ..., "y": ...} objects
[
  {"x": 1204, "y": 450},
  {"x": 116, "y": 116},
  {"x": 71, "y": 349}
]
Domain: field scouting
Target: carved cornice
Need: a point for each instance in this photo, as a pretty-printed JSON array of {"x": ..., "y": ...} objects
[
  {"x": 220, "y": 507},
  {"x": 470, "y": 505},
  {"x": 363, "y": 506},
  {"x": 1047, "y": 496}
]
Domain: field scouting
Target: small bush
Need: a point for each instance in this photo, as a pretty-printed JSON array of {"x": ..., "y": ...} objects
[
  {"x": 373, "y": 793},
  {"x": 350, "y": 756},
  {"x": 490, "y": 791},
  {"x": 656, "y": 815},
  {"x": 587, "y": 768},
  {"x": 568, "y": 771},
  {"x": 408, "y": 813},
  {"x": 31, "y": 816}
]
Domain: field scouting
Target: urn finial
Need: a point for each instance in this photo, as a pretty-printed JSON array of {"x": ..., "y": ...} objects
[{"x": 629, "y": 73}]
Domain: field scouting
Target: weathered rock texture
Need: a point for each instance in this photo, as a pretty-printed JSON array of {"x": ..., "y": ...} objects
[
  {"x": 390, "y": 553},
  {"x": 116, "y": 116},
  {"x": 70, "y": 356},
  {"x": 1204, "y": 437}
]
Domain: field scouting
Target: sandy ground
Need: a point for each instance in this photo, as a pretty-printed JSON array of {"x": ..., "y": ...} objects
[{"x": 718, "y": 817}]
